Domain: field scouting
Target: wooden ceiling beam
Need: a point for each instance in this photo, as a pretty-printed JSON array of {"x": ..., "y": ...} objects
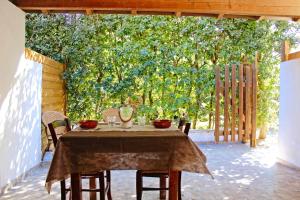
[
  {"x": 220, "y": 16},
  {"x": 296, "y": 19},
  {"x": 155, "y": 13},
  {"x": 134, "y": 12},
  {"x": 285, "y": 50},
  {"x": 89, "y": 11},
  {"x": 261, "y": 18},
  {"x": 282, "y": 18},
  {"x": 178, "y": 14},
  {"x": 122, "y": 12},
  {"x": 242, "y": 16},
  {"x": 45, "y": 12},
  {"x": 287, "y": 8},
  {"x": 199, "y": 14}
]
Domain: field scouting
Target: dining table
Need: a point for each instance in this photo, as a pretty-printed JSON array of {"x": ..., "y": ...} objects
[{"x": 112, "y": 147}]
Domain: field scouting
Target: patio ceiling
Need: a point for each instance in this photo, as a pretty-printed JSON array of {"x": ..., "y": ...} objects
[{"x": 252, "y": 9}]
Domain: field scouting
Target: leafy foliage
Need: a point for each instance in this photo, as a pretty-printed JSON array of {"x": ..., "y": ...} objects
[{"x": 166, "y": 63}]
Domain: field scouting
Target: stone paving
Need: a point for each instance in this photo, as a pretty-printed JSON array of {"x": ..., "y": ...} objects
[{"x": 239, "y": 171}]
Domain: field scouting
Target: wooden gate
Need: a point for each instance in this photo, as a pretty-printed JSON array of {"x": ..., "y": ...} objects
[{"x": 236, "y": 99}]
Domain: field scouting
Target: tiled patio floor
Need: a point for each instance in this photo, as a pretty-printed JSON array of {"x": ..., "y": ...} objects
[{"x": 240, "y": 173}]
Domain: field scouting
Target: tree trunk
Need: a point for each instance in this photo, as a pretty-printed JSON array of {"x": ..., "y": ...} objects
[
  {"x": 99, "y": 102},
  {"x": 122, "y": 99},
  {"x": 163, "y": 89},
  {"x": 198, "y": 109},
  {"x": 195, "y": 121},
  {"x": 210, "y": 110},
  {"x": 150, "y": 98},
  {"x": 263, "y": 132},
  {"x": 144, "y": 97}
]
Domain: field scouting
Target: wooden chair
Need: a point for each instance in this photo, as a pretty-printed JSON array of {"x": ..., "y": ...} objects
[
  {"x": 162, "y": 175},
  {"x": 111, "y": 112},
  {"x": 103, "y": 190},
  {"x": 181, "y": 124},
  {"x": 48, "y": 117}
]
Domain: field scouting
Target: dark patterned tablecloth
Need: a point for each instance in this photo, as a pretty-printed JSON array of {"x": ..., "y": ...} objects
[{"x": 138, "y": 148}]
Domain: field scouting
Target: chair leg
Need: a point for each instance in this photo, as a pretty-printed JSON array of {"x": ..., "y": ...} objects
[
  {"x": 162, "y": 184},
  {"x": 63, "y": 190},
  {"x": 92, "y": 182},
  {"x": 179, "y": 185},
  {"x": 108, "y": 184},
  {"x": 46, "y": 149},
  {"x": 102, "y": 185},
  {"x": 139, "y": 185}
]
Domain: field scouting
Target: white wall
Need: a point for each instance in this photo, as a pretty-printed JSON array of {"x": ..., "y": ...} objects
[
  {"x": 20, "y": 98},
  {"x": 289, "y": 116}
]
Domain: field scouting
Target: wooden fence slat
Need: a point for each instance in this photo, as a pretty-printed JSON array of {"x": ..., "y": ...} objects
[
  {"x": 51, "y": 92},
  {"x": 56, "y": 104},
  {"x": 34, "y": 56},
  {"x": 254, "y": 104},
  {"x": 241, "y": 103},
  {"x": 54, "y": 99},
  {"x": 58, "y": 75},
  {"x": 53, "y": 107},
  {"x": 53, "y": 82},
  {"x": 59, "y": 67},
  {"x": 248, "y": 103},
  {"x": 48, "y": 95},
  {"x": 217, "y": 110},
  {"x": 233, "y": 103},
  {"x": 51, "y": 70},
  {"x": 226, "y": 104},
  {"x": 50, "y": 77},
  {"x": 52, "y": 85}
]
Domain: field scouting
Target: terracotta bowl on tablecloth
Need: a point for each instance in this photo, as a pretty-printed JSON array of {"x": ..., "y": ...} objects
[
  {"x": 163, "y": 123},
  {"x": 88, "y": 124}
]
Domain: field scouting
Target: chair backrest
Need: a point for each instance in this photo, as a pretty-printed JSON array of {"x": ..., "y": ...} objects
[
  {"x": 111, "y": 112},
  {"x": 49, "y": 117},
  {"x": 187, "y": 128},
  {"x": 181, "y": 124},
  {"x": 58, "y": 124}
]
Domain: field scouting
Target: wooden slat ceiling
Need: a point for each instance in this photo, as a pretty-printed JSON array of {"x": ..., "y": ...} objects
[{"x": 252, "y": 9}]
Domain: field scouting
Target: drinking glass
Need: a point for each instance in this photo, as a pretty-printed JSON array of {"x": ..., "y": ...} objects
[
  {"x": 142, "y": 121},
  {"x": 111, "y": 120}
]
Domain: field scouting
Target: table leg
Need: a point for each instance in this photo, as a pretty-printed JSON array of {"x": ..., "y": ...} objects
[
  {"x": 162, "y": 193},
  {"x": 173, "y": 185},
  {"x": 92, "y": 186},
  {"x": 76, "y": 186}
]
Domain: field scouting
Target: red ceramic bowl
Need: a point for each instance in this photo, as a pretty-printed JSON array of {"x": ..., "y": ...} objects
[
  {"x": 163, "y": 123},
  {"x": 88, "y": 123}
]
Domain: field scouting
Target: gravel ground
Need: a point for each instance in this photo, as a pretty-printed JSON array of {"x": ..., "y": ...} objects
[{"x": 240, "y": 173}]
